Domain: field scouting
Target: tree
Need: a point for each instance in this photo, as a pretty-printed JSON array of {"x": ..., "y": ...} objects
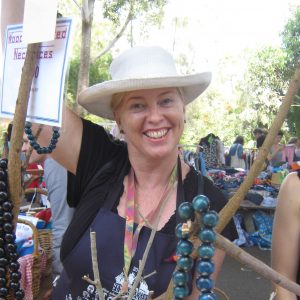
[
  {"x": 264, "y": 84},
  {"x": 291, "y": 45}
]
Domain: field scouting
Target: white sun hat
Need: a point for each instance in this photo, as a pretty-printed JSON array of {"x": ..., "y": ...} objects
[{"x": 141, "y": 68}]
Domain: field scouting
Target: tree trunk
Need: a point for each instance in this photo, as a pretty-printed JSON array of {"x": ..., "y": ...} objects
[{"x": 85, "y": 54}]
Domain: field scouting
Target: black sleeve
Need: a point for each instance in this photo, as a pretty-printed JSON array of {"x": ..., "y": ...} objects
[
  {"x": 217, "y": 202},
  {"x": 97, "y": 147}
]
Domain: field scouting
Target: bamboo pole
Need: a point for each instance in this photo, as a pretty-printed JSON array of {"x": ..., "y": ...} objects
[
  {"x": 14, "y": 162},
  {"x": 234, "y": 203},
  {"x": 256, "y": 265}
]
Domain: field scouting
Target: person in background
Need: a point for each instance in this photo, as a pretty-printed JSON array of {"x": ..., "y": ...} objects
[
  {"x": 289, "y": 151},
  {"x": 6, "y": 141},
  {"x": 295, "y": 142},
  {"x": 260, "y": 140},
  {"x": 257, "y": 133},
  {"x": 285, "y": 255},
  {"x": 275, "y": 156},
  {"x": 55, "y": 177},
  {"x": 297, "y": 150},
  {"x": 236, "y": 153}
]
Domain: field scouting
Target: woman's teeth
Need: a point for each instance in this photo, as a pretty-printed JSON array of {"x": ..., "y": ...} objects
[{"x": 156, "y": 134}]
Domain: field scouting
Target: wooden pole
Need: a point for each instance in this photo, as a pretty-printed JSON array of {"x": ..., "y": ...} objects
[
  {"x": 256, "y": 265},
  {"x": 234, "y": 203},
  {"x": 14, "y": 162}
]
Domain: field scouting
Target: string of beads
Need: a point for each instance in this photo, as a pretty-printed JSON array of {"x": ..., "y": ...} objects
[
  {"x": 204, "y": 265},
  {"x": 8, "y": 250},
  {"x": 34, "y": 144}
]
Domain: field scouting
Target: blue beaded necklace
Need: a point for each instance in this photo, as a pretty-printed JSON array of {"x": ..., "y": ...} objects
[
  {"x": 35, "y": 145},
  {"x": 204, "y": 265}
]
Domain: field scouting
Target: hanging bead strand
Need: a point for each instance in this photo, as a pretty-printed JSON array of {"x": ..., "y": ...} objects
[
  {"x": 184, "y": 249},
  {"x": 204, "y": 266},
  {"x": 34, "y": 144},
  {"x": 8, "y": 249}
]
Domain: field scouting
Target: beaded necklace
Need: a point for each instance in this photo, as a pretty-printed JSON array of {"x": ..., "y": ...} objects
[
  {"x": 9, "y": 265},
  {"x": 35, "y": 145},
  {"x": 204, "y": 264}
]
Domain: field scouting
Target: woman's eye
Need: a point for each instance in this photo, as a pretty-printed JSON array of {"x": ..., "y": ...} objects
[
  {"x": 166, "y": 102},
  {"x": 136, "y": 106}
]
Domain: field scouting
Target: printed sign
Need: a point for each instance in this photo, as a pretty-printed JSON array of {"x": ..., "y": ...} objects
[{"x": 47, "y": 90}]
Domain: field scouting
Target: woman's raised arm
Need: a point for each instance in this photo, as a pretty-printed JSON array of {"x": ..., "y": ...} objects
[{"x": 68, "y": 146}]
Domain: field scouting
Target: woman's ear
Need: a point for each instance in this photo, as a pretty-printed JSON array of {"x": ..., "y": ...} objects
[{"x": 118, "y": 121}]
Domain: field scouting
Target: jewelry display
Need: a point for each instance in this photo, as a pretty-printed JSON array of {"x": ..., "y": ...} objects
[
  {"x": 9, "y": 265},
  {"x": 204, "y": 265}
]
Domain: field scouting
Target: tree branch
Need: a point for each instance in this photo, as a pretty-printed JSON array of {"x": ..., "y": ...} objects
[
  {"x": 117, "y": 37},
  {"x": 97, "y": 281}
]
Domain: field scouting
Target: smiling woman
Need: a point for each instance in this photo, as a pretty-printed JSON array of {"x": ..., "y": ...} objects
[{"x": 123, "y": 189}]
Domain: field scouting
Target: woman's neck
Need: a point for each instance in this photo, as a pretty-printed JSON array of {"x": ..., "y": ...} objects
[{"x": 150, "y": 174}]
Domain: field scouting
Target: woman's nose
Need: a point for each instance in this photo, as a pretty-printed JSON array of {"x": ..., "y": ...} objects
[{"x": 155, "y": 113}]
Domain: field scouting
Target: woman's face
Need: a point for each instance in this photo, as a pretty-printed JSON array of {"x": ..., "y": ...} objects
[{"x": 152, "y": 120}]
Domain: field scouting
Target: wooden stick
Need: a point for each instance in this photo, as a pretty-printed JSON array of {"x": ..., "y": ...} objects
[
  {"x": 256, "y": 265},
  {"x": 36, "y": 190},
  {"x": 232, "y": 206},
  {"x": 95, "y": 266},
  {"x": 14, "y": 162}
]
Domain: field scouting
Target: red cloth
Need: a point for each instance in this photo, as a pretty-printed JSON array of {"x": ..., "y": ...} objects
[
  {"x": 35, "y": 183},
  {"x": 26, "y": 263}
]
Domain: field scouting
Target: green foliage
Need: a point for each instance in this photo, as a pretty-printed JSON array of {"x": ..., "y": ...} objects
[
  {"x": 265, "y": 72},
  {"x": 291, "y": 43},
  {"x": 150, "y": 10},
  {"x": 265, "y": 85},
  {"x": 98, "y": 73}
]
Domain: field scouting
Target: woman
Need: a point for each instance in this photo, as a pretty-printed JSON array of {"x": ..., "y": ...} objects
[
  {"x": 297, "y": 150},
  {"x": 147, "y": 98},
  {"x": 275, "y": 157},
  {"x": 286, "y": 234},
  {"x": 236, "y": 153}
]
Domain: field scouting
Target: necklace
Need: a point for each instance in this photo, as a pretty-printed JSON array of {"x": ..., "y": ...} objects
[
  {"x": 34, "y": 144},
  {"x": 9, "y": 265},
  {"x": 204, "y": 264},
  {"x": 131, "y": 236}
]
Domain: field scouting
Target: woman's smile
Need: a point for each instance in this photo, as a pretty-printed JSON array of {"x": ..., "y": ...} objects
[{"x": 156, "y": 134}]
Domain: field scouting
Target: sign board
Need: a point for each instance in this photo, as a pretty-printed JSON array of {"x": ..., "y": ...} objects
[{"x": 48, "y": 85}]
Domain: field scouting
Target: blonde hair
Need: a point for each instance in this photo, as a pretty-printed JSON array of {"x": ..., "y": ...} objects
[{"x": 116, "y": 100}]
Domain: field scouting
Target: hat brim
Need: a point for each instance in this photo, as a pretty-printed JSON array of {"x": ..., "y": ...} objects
[{"x": 97, "y": 98}]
